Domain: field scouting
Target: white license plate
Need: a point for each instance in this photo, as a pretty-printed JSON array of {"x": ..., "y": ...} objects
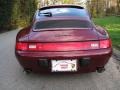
[{"x": 64, "y": 65}]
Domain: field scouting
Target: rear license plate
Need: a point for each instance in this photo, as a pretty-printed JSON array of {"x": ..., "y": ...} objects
[{"x": 64, "y": 65}]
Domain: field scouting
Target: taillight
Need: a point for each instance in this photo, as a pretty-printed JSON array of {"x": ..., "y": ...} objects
[
  {"x": 105, "y": 43},
  {"x": 21, "y": 46},
  {"x": 67, "y": 46}
]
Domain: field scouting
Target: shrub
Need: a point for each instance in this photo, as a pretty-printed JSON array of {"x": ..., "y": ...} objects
[{"x": 16, "y": 13}]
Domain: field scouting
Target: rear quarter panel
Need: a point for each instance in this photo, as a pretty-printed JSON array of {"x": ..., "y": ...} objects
[
  {"x": 23, "y": 34},
  {"x": 102, "y": 32}
]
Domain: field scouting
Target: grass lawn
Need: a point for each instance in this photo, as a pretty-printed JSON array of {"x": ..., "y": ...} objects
[{"x": 112, "y": 24}]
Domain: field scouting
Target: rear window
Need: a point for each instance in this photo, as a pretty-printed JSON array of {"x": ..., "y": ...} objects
[
  {"x": 62, "y": 24},
  {"x": 66, "y": 12}
]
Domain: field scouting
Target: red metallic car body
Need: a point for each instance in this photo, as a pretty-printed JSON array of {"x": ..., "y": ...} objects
[{"x": 35, "y": 49}]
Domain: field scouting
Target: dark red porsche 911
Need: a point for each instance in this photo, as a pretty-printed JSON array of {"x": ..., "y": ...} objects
[{"x": 63, "y": 38}]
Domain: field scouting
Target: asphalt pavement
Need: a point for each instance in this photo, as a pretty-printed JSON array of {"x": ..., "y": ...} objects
[{"x": 12, "y": 76}]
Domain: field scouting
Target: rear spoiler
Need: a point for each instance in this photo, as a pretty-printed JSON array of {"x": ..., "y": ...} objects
[{"x": 61, "y": 6}]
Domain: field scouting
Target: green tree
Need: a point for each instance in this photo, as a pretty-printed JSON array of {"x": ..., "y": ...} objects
[
  {"x": 16, "y": 13},
  {"x": 118, "y": 7},
  {"x": 6, "y": 7},
  {"x": 68, "y": 1}
]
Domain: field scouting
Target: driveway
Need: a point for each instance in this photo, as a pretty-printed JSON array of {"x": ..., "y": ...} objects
[{"x": 12, "y": 76}]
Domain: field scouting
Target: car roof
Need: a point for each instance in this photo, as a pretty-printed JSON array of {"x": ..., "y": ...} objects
[{"x": 57, "y": 11}]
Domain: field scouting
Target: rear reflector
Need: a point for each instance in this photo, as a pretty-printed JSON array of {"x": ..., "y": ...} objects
[{"x": 68, "y": 46}]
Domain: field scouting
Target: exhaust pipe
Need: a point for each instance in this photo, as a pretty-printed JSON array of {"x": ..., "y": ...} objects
[
  {"x": 27, "y": 71},
  {"x": 100, "y": 69}
]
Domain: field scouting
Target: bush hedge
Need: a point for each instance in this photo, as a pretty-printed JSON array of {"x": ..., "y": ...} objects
[{"x": 16, "y": 13}]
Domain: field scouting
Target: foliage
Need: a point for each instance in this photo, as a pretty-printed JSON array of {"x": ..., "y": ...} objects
[
  {"x": 16, "y": 13},
  {"x": 112, "y": 24},
  {"x": 54, "y": 2},
  {"x": 5, "y": 13},
  {"x": 68, "y": 1},
  {"x": 103, "y": 7}
]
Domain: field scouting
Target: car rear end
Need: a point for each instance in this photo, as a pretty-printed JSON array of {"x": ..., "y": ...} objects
[{"x": 63, "y": 44}]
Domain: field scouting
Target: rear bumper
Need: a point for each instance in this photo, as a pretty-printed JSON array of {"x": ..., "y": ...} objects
[
  {"x": 97, "y": 58},
  {"x": 68, "y": 54}
]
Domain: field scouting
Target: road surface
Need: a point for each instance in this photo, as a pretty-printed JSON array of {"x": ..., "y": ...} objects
[{"x": 13, "y": 78}]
